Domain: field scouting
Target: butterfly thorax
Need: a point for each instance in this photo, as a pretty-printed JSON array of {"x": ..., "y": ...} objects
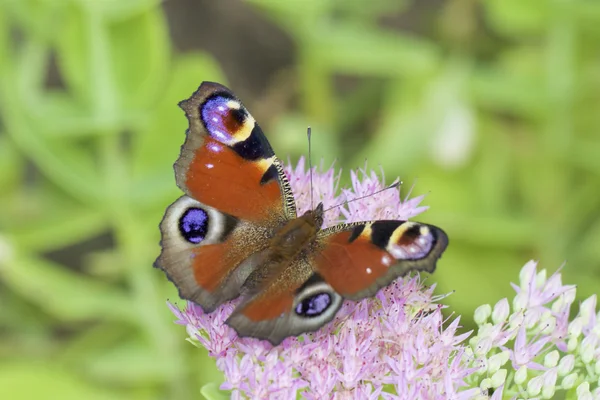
[{"x": 297, "y": 233}]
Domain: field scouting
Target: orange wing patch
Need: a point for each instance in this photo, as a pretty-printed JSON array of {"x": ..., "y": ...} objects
[
  {"x": 219, "y": 177},
  {"x": 358, "y": 259},
  {"x": 350, "y": 267}
]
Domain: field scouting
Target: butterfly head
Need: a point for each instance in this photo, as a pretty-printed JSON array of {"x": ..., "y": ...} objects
[{"x": 315, "y": 217}]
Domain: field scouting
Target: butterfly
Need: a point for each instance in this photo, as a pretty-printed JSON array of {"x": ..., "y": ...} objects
[{"x": 236, "y": 233}]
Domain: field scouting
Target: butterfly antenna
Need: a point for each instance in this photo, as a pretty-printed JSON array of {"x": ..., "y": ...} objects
[
  {"x": 392, "y": 186},
  {"x": 310, "y": 171}
]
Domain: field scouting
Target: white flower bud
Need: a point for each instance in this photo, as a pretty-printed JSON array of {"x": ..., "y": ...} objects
[
  {"x": 585, "y": 396},
  {"x": 566, "y": 365},
  {"x": 485, "y": 330},
  {"x": 582, "y": 389},
  {"x": 486, "y": 384},
  {"x": 505, "y": 356},
  {"x": 572, "y": 344},
  {"x": 550, "y": 378},
  {"x": 516, "y": 319},
  {"x": 521, "y": 375},
  {"x": 473, "y": 341},
  {"x": 501, "y": 311},
  {"x": 570, "y": 295},
  {"x": 558, "y": 304},
  {"x": 527, "y": 274},
  {"x": 551, "y": 359},
  {"x": 498, "y": 378},
  {"x": 496, "y": 361},
  {"x": 575, "y": 327},
  {"x": 587, "y": 309},
  {"x": 540, "y": 278},
  {"x": 534, "y": 386},
  {"x": 569, "y": 381},
  {"x": 586, "y": 350},
  {"x": 548, "y": 392},
  {"x": 493, "y": 364},
  {"x": 482, "y": 313},
  {"x": 520, "y": 301},
  {"x": 597, "y": 368}
]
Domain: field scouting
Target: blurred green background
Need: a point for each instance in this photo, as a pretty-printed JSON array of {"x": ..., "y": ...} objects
[{"x": 492, "y": 106}]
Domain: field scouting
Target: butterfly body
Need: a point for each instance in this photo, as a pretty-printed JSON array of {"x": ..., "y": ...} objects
[{"x": 236, "y": 233}]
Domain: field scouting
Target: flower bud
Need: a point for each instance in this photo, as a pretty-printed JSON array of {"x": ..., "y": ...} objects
[
  {"x": 572, "y": 344},
  {"x": 575, "y": 327},
  {"x": 501, "y": 311},
  {"x": 515, "y": 319},
  {"x": 569, "y": 381},
  {"x": 521, "y": 375},
  {"x": 566, "y": 365},
  {"x": 499, "y": 378},
  {"x": 548, "y": 392},
  {"x": 540, "y": 278},
  {"x": 550, "y": 378},
  {"x": 551, "y": 359},
  {"x": 482, "y": 313},
  {"x": 587, "y": 309},
  {"x": 485, "y": 384},
  {"x": 520, "y": 301},
  {"x": 558, "y": 305},
  {"x": 582, "y": 389},
  {"x": 586, "y": 350},
  {"x": 570, "y": 295},
  {"x": 496, "y": 361},
  {"x": 527, "y": 274},
  {"x": 534, "y": 386}
]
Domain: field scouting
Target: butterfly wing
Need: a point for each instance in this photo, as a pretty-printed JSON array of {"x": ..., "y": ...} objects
[
  {"x": 226, "y": 161},
  {"x": 236, "y": 196},
  {"x": 293, "y": 302},
  {"x": 350, "y": 261},
  {"x": 358, "y": 259}
]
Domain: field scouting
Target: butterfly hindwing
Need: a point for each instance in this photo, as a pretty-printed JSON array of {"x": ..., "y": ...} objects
[
  {"x": 295, "y": 301},
  {"x": 207, "y": 254},
  {"x": 358, "y": 259}
]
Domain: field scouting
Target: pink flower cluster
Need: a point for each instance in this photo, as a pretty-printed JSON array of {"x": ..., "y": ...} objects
[
  {"x": 392, "y": 346},
  {"x": 396, "y": 339}
]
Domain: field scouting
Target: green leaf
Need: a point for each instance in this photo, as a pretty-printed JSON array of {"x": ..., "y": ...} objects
[
  {"x": 351, "y": 49},
  {"x": 211, "y": 391},
  {"x": 26, "y": 381},
  {"x": 63, "y": 293},
  {"x": 40, "y": 231},
  {"x": 139, "y": 51},
  {"x": 516, "y": 17},
  {"x": 11, "y": 165}
]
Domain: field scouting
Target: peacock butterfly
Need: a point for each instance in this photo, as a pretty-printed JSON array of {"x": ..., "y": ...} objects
[{"x": 235, "y": 232}]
